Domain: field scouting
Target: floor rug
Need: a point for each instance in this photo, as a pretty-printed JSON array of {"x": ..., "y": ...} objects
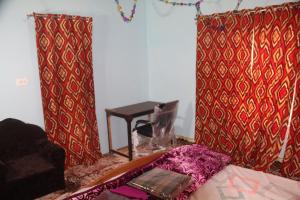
[{"x": 80, "y": 176}]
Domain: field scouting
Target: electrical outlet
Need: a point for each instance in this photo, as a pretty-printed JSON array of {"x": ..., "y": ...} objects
[{"x": 21, "y": 81}]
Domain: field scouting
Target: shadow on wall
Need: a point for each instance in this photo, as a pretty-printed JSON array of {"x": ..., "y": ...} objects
[
  {"x": 186, "y": 122},
  {"x": 1, "y": 4},
  {"x": 100, "y": 45}
]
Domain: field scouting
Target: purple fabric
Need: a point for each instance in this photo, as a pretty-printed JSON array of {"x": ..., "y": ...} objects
[
  {"x": 195, "y": 160},
  {"x": 130, "y": 192}
]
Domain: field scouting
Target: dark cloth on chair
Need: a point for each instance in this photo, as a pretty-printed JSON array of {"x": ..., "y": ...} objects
[{"x": 161, "y": 127}]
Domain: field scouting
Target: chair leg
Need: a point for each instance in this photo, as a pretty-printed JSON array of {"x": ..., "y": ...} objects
[
  {"x": 135, "y": 142},
  {"x": 173, "y": 140}
]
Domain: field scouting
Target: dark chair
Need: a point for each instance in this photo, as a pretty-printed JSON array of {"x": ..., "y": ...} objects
[
  {"x": 161, "y": 127},
  {"x": 30, "y": 165}
]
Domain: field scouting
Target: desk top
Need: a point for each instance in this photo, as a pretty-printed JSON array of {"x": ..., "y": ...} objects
[{"x": 134, "y": 110}]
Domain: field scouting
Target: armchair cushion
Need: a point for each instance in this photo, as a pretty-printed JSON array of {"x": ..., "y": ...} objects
[
  {"x": 53, "y": 153},
  {"x": 3, "y": 170},
  {"x": 27, "y": 166}
]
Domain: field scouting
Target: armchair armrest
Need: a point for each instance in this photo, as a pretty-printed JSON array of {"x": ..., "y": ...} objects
[
  {"x": 53, "y": 153},
  {"x": 3, "y": 169}
]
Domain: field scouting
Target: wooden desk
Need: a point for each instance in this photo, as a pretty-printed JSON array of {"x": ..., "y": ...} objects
[{"x": 128, "y": 113}]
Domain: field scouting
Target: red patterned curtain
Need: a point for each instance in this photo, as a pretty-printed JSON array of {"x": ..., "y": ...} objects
[
  {"x": 64, "y": 47},
  {"x": 246, "y": 71}
]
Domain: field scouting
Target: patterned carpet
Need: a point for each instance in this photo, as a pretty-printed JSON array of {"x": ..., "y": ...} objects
[{"x": 81, "y": 176}]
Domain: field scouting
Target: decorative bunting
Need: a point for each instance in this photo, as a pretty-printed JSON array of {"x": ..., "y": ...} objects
[
  {"x": 158, "y": 11},
  {"x": 179, "y": 4},
  {"x": 197, "y": 5},
  {"x": 120, "y": 9},
  {"x": 173, "y": 3}
]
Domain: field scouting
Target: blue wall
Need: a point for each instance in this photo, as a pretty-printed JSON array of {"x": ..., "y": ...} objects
[
  {"x": 119, "y": 55},
  {"x": 152, "y": 57}
]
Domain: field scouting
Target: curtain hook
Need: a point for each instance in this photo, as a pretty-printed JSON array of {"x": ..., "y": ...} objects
[
  {"x": 197, "y": 6},
  {"x": 237, "y": 5}
]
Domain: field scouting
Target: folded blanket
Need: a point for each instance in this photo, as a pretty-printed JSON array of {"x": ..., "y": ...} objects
[
  {"x": 197, "y": 161},
  {"x": 161, "y": 183}
]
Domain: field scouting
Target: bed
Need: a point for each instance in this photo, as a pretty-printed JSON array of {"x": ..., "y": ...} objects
[
  {"x": 235, "y": 182},
  {"x": 223, "y": 182}
]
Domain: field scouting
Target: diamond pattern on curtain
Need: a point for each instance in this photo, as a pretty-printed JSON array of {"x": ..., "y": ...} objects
[
  {"x": 64, "y": 48},
  {"x": 246, "y": 68},
  {"x": 291, "y": 161}
]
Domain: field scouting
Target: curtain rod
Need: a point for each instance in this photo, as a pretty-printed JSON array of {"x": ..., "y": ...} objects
[
  {"x": 262, "y": 9},
  {"x": 55, "y": 15}
]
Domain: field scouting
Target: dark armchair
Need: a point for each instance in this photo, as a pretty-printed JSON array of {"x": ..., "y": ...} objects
[{"x": 30, "y": 165}]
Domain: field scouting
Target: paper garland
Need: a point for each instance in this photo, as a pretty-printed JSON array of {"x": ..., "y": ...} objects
[
  {"x": 120, "y": 9},
  {"x": 196, "y": 4}
]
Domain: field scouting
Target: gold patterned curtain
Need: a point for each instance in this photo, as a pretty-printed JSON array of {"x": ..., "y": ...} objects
[
  {"x": 247, "y": 66},
  {"x": 64, "y": 45}
]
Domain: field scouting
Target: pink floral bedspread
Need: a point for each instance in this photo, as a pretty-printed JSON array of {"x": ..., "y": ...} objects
[{"x": 195, "y": 160}]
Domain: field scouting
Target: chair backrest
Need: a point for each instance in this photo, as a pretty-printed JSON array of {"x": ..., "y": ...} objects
[
  {"x": 163, "y": 120},
  {"x": 18, "y": 138}
]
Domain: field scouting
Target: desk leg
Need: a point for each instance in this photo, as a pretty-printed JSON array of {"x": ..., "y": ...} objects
[
  {"x": 109, "y": 132},
  {"x": 129, "y": 138}
]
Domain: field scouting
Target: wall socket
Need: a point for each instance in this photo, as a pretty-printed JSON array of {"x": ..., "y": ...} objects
[{"x": 22, "y": 81}]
